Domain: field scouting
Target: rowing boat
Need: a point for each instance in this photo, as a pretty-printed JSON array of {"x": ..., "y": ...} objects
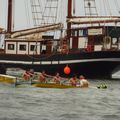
[
  {"x": 53, "y": 85},
  {"x": 63, "y": 86},
  {"x": 7, "y": 79},
  {"x": 19, "y": 82}
]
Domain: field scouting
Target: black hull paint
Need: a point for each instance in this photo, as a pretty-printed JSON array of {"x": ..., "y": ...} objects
[{"x": 92, "y": 65}]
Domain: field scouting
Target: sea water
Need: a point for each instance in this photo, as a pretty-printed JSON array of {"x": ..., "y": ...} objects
[{"x": 30, "y": 103}]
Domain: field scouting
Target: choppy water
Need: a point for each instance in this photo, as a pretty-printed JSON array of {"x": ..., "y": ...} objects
[{"x": 28, "y": 103}]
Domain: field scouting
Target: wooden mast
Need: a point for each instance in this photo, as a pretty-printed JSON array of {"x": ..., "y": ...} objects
[
  {"x": 9, "y": 19},
  {"x": 69, "y": 15}
]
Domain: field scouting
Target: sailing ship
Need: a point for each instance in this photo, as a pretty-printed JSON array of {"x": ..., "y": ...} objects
[{"x": 88, "y": 45}]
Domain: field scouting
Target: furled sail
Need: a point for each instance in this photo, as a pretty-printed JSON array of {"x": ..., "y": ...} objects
[
  {"x": 37, "y": 30},
  {"x": 90, "y": 20}
]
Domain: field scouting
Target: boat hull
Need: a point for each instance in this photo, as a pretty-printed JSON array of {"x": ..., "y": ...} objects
[
  {"x": 7, "y": 79},
  {"x": 92, "y": 65},
  {"x": 53, "y": 85}
]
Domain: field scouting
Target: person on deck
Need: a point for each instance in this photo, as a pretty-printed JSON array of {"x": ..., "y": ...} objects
[
  {"x": 64, "y": 48},
  {"x": 83, "y": 82},
  {"x": 73, "y": 81},
  {"x": 42, "y": 77}
]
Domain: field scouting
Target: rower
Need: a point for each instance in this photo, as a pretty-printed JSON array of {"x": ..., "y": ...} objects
[
  {"x": 73, "y": 80},
  {"x": 42, "y": 77},
  {"x": 83, "y": 82},
  {"x": 58, "y": 79},
  {"x": 28, "y": 74}
]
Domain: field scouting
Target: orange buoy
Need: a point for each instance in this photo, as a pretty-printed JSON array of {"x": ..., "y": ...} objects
[{"x": 67, "y": 70}]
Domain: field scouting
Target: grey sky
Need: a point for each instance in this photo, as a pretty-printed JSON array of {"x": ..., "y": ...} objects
[{"x": 21, "y": 21}]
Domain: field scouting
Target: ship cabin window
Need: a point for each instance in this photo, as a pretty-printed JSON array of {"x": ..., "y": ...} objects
[
  {"x": 32, "y": 47},
  {"x": 74, "y": 33},
  {"x": 11, "y": 46},
  {"x": 83, "y": 32},
  {"x": 22, "y": 47},
  {"x": 80, "y": 32}
]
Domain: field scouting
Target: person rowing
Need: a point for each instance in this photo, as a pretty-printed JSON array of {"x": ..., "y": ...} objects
[
  {"x": 28, "y": 74},
  {"x": 83, "y": 82},
  {"x": 42, "y": 77},
  {"x": 73, "y": 80},
  {"x": 58, "y": 79}
]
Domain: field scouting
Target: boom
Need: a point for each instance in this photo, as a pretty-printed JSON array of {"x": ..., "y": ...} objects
[{"x": 37, "y": 30}]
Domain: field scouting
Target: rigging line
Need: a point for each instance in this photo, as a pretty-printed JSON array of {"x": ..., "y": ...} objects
[
  {"x": 74, "y": 4},
  {"x": 32, "y": 9},
  {"x": 117, "y": 6},
  {"x": 55, "y": 33},
  {"x": 62, "y": 11},
  {"x": 109, "y": 8},
  {"x": 27, "y": 13},
  {"x": 104, "y": 7},
  {"x": 56, "y": 11},
  {"x": 6, "y": 14},
  {"x": 36, "y": 14},
  {"x": 100, "y": 6},
  {"x": 33, "y": 16},
  {"x": 50, "y": 11},
  {"x": 39, "y": 21},
  {"x": 42, "y": 13},
  {"x": 13, "y": 15},
  {"x": 43, "y": 20},
  {"x": 41, "y": 9},
  {"x": 85, "y": 8}
]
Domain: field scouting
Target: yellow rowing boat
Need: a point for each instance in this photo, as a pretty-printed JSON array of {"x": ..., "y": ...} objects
[
  {"x": 7, "y": 79},
  {"x": 53, "y": 85}
]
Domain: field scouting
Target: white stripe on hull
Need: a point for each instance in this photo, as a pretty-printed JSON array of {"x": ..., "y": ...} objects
[{"x": 61, "y": 62}]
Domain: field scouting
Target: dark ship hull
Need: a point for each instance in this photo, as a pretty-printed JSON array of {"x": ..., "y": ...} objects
[{"x": 91, "y": 64}]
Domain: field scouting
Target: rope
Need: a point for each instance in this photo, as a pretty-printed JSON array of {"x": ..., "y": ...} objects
[
  {"x": 104, "y": 7},
  {"x": 27, "y": 14},
  {"x": 117, "y": 6},
  {"x": 109, "y": 8}
]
